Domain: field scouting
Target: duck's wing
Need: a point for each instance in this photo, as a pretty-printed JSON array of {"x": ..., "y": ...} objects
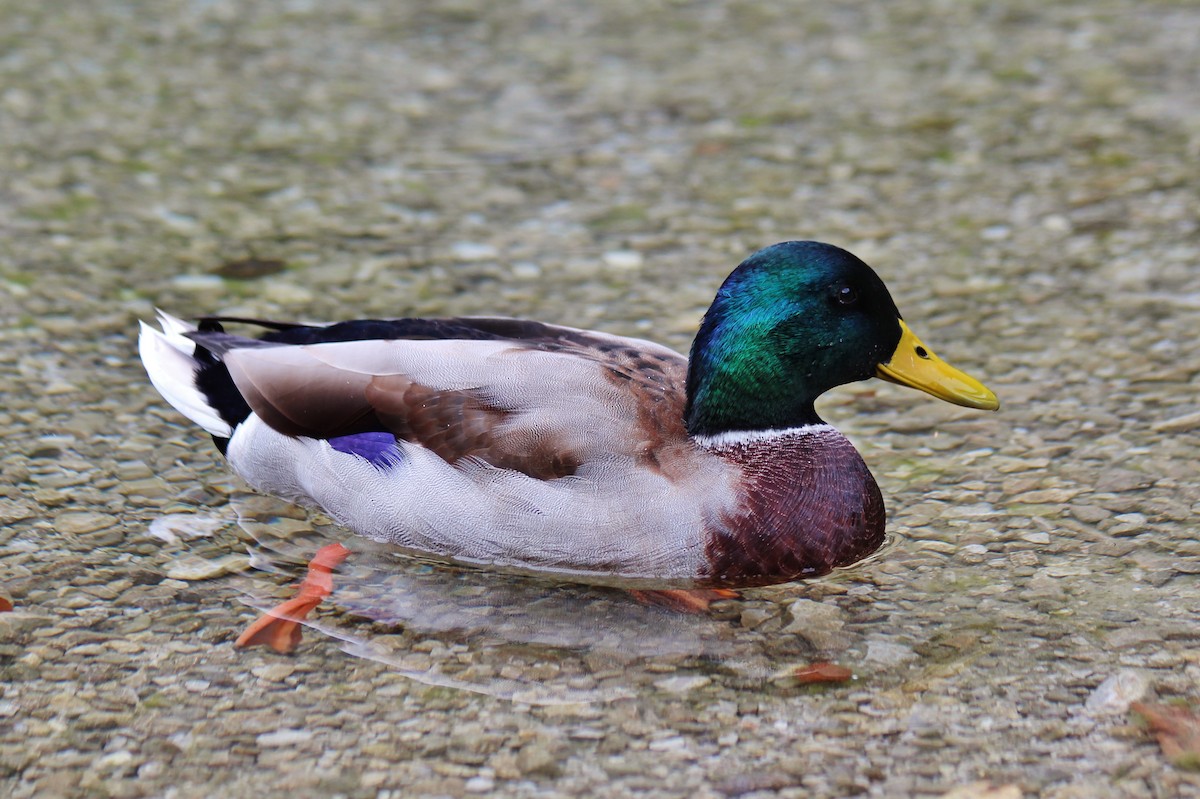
[{"x": 535, "y": 398}]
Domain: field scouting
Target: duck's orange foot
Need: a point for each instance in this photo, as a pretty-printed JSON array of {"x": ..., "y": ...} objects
[
  {"x": 5, "y": 604},
  {"x": 695, "y": 600},
  {"x": 279, "y": 627}
]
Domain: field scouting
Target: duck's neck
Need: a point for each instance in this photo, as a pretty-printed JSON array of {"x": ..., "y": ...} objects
[
  {"x": 743, "y": 392},
  {"x": 740, "y": 377},
  {"x": 807, "y": 505}
]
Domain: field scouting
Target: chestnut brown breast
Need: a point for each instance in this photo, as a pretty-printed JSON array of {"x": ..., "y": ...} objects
[{"x": 808, "y": 504}]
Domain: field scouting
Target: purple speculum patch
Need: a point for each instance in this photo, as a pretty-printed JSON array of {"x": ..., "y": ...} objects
[{"x": 378, "y": 448}]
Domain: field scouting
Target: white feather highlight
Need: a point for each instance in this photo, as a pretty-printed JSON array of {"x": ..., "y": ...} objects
[
  {"x": 741, "y": 438},
  {"x": 167, "y": 356}
]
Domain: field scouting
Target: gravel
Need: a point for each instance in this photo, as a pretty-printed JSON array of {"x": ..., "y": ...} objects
[{"x": 1023, "y": 176}]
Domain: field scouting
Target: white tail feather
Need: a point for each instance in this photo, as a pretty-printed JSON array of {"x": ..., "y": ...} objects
[
  {"x": 167, "y": 356},
  {"x": 175, "y": 328}
]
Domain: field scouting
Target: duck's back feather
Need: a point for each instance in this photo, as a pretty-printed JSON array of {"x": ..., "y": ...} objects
[{"x": 519, "y": 395}]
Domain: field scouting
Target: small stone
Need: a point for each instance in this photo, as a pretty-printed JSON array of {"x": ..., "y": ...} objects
[
  {"x": 526, "y": 270},
  {"x": 479, "y": 785},
  {"x": 114, "y": 760},
  {"x": 755, "y": 615},
  {"x": 984, "y": 790},
  {"x": 1065, "y": 570},
  {"x": 180, "y": 223},
  {"x": 173, "y": 526},
  {"x": 536, "y": 759},
  {"x": 1127, "y": 524},
  {"x": 1089, "y": 514},
  {"x": 1113, "y": 548},
  {"x": 273, "y": 672},
  {"x": 1023, "y": 558},
  {"x": 1137, "y": 520},
  {"x": 373, "y": 779},
  {"x": 1117, "y": 692},
  {"x": 1047, "y": 496},
  {"x": 21, "y": 622},
  {"x": 49, "y": 498},
  {"x": 1056, "y": 223},
  {"x": 671, "y": 744},
  {"x": 819, "y": 623},
  {"x": 1118, "y": 480},
  {"x": 973, "y": 510},
  {"x": 151, "y": 770},
  {"x": 277, "y": 527},
  {"x": 81, "y": 522},
  {"x": 944, "y": 547},
  {"x": 148, "y": 488},
  {"x": 286, "y": 293},
  {"x": 1036, "y": 538},
  {"x": 284, "y": 737},
  {"x": 972, "y": 553},
  {"x": 198, "y": 282},
  {"x": 1014, "y": 465},
  {"x": 1129, "y": 637},
  {"x": 759, "y": 782},
  {"x": 1179, "y": 424},
  {"x": 192, "y": 567},
  {"x": 888, "y": 653},
  {"x": 12, "y": 511},
  {"x": 682, "y": 684},
  {"x": 623, "y": 259},
  {"x": 473, "y": 251}
]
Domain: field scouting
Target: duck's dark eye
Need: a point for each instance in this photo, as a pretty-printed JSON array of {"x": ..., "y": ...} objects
[{"x": 845, "y": 295}]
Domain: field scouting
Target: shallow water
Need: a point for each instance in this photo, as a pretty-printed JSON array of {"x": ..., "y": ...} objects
[
  {"x": 1021, "y": 174},
  {"x": 535, "y": 640}
]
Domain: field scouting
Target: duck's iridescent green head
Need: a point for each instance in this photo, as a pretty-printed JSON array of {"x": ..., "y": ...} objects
[{"x": 793, "y": 321}]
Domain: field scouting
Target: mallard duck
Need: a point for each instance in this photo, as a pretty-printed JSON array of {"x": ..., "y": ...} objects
[{"x": 522, "y": 445}]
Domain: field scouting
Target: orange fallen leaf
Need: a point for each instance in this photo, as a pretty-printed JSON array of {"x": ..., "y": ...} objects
[
  {"x": 694, "y": 600},
  {"x": 5, "y": 604},
  {"x": 1177, "y": 730},
  {"x": 822, "y": 672}
]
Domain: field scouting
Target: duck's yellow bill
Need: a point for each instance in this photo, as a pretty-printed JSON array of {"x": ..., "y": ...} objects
[{"x": 913, "y": 364}]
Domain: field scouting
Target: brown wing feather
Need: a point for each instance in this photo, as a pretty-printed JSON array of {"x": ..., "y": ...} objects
[
  {"x": 300, "y": 393},
  {"x": 297, "y": 397},
  {"x": 461, "y": 424}
]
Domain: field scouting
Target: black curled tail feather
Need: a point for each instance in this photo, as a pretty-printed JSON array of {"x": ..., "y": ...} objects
[{"x": 213, "y": 379}]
